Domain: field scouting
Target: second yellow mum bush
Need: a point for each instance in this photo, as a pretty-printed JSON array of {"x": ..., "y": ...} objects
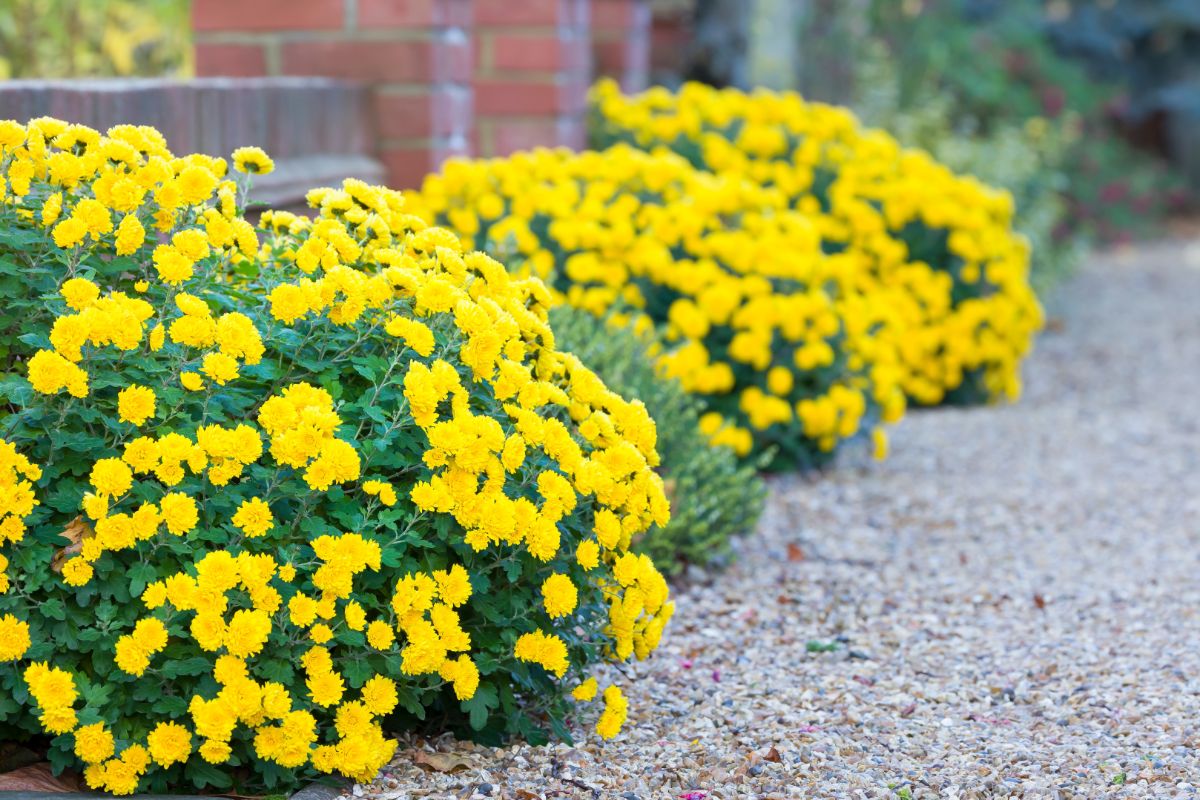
[
  {"x": 904, "y": 220},
  {"x": 262, "y": 488},
  {"x": 809, "y": 277}
]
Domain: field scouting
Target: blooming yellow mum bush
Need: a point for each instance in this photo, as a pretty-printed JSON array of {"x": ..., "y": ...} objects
[
  {"x": 908, "y": 224},
  {"x": 788, "y": 353},
  {"x": 267, "y": 491}
]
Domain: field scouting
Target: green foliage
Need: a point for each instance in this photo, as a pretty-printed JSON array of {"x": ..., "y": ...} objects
[
  {"x": 94, "y": 38},
  {"x": 713, "y": 498}
]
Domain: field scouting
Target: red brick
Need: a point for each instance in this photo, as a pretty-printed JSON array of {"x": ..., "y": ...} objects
[
  {"x": 512, "y": 135},
  {"x": 509, "y": 136},
  {"x": 230, "y": 60},
  {"x": 518, "y": 98},
  {"x": 439, "y": 113},
  {"x": 610, "y": 57},
  {"x": 669, "y": 37},
  {"x": 268, "y": 15},
  {"x": 404, "y": 116},
  {"x": 532, "y": 53},
  {"x": 527, "y": 13},
  {"x": 619, "y": 14},
  {"x": 627, "y": 61},
  {"x": 413, "y": 13},
  {"x": 391, "y": 61},
  {"x": 408, "y": 166}
]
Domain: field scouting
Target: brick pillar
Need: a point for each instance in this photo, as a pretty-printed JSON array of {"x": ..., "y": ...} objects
[
  {"x": 533, "y": 67},
  {"x": 621, "y": 42},
  {"x": 415, "y": 54}
]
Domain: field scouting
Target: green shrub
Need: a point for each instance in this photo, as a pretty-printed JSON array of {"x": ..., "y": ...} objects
[{"x": 713, "y": 498}]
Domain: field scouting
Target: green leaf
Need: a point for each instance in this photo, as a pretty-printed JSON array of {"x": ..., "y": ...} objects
[
  {"x": 204, "y": 774},
  {"x": 171, "y": 706},
  {"x": 140, "y": 575},
  {"x": 276, "y": 670},
  {"x": 95, "y": 694},
  {"x": 357, "y": 673},
  {"x": 8, "y": 706},
  {"x": 197, "y": 665},
  {"x": 480, "y": 705},
  {"x": 363, "y": 369},
  {"x": 53, "y": 608}
]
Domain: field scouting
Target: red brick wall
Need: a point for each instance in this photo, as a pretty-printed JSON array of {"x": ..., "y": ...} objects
[
  {"x": 448, "y": 77},
  {"x": 415, "y": 54},
  {"x": 532, "y": 70}
]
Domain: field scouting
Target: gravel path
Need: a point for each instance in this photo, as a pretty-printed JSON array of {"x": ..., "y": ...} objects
[{"x": 1005, "y": 608}]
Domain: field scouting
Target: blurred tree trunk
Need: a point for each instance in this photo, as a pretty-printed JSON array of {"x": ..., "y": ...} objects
[
  {"x": 717, "y": 54},
  {"x": 774, "y": 43}
]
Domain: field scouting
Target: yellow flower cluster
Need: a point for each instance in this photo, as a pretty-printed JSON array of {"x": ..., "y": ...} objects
[
  {"x": 120, "y": 321},
  {"x": 14, "y": 638},
  {"x": 301, "y": 423},
  {"x": 54, "y": 692},
  {"x": 776, "y": 336},
  {"x": 134, "y": 650},
  {"x": 17, "y": 502},
  {"x": 219, "y": 454},
  {"x": 615, "y": 710},
  {"x": 282, "y": 734},
  {"x": 244, "y": 397},
  {"x": 940, "y": 245}
]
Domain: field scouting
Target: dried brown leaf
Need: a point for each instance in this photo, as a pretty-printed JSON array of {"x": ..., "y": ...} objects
[
  {"x": 440, "y": 762},
  {"x": 76, "y": 532},
  {"x": 38, "y": 778}
]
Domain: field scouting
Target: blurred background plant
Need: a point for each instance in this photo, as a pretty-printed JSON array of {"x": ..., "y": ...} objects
[
  {"x": 981, "y": 85},
  {"x": 95, "y": 38},
  {"x": 1154, "y": 48},
  {"x": 995, "y": 68}
]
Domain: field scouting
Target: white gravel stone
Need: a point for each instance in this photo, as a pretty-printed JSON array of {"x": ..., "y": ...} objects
[{"x": 1013, "y": 600}]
